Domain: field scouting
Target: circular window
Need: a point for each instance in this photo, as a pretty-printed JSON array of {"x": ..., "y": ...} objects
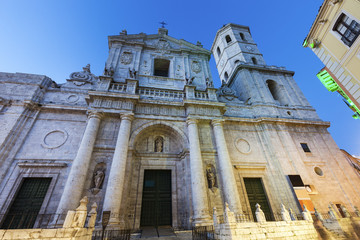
[{"x": 318, "y": 171}]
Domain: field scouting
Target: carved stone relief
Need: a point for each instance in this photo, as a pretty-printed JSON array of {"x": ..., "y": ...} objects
[
  {"x": 54, "y": 139},
  {"x": 179, "y": 72},
  {"x": 162, "y": 46},
  {"x": 83, "y": 77},
  {"x": 195, "y": 66},
  {"x": 126, "y": 57},
  {"x": 145, "y": 68},
  {"x": 226, "y": 92}
]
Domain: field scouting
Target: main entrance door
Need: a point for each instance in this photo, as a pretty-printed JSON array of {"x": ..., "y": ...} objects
[
  {"x": 256, "y": 194},
  {"x": 26, "y": 206},
  {"x": 156, "y": 201}
]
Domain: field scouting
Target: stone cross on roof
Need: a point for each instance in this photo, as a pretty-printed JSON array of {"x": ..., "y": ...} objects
[{"x": 163, "y": 24}]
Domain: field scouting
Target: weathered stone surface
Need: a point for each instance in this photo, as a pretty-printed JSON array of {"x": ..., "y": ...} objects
[{"x": 253, "y": 128}]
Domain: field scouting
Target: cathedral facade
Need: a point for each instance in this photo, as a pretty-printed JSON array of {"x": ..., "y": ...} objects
[{"x": 153, "y": 142}]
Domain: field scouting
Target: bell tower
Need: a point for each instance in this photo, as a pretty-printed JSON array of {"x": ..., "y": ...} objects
[
  {"x": 270, "y": 90},
  {"x": 234, "y": 45}
]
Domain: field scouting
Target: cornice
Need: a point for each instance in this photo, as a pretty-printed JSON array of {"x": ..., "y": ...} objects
[{"x": 278, "y": 120}]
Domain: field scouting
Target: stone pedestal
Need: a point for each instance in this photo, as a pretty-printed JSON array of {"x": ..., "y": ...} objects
[
  {"x": 229, "y": 186},
  {"x": 75, "y": 183},
  {"x": 198, "y": 185},
  {"x": 115, "y": 186}
]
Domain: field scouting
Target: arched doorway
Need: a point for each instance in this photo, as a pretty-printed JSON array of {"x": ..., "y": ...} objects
[{"x": 159, "y": 169}]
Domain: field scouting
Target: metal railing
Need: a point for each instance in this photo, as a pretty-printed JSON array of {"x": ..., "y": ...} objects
[
  {"x": 112, "y": 234},
  {"x": 31, "y": 220},
  {"x": 203, "y": 233}
]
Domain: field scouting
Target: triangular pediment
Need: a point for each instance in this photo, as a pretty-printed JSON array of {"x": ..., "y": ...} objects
[{"x": 161, "y": 42}]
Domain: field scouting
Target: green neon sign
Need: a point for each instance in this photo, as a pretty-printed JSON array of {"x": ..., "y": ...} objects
[
  {"x": 327, "y": 81},
  {"x": 305, "y": 43},
  {"x": 332, "y": 86}
]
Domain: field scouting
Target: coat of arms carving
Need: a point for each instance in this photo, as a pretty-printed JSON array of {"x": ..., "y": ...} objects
[
  {"x": 162, "y": 46},
  {"x": 196, "y": 67},
  {"x": 126, "y": 58}
]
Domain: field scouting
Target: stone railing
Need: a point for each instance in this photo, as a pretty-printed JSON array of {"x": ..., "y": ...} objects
[
  {"x": 159, "y": 93},
  {"x": 201, "y": 95},
  {"x": 117, "y": 87}
]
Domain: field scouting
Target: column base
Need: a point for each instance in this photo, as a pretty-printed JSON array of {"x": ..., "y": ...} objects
[
  {"x": 202, "y": 222},
  {"x": 116, "y": 223}
]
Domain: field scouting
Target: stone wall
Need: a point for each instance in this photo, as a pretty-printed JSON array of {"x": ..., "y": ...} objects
[
  {"x": 268, "y": 230},
  {"x": 53, "y": 234}
]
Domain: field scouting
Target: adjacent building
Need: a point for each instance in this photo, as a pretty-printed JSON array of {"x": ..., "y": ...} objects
[
  {"x": 333, "y": 37},
  {"x": 154, "y": 143}
]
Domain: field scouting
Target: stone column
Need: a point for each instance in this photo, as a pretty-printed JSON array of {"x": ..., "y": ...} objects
[
  {"x": 116, "y": 182},
  {"x": 229, "y": 185},
  {"x": 198, "y": 185},
  {"x": 75, "y": 182}
]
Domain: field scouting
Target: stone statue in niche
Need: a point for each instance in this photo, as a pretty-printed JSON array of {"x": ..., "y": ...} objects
[
  {"x": 209, "y": 84},
  {"x": 211, "y": 177},
  {"x": 132, "y": 73},
  {"x": 159, "y": 144},
  {"x": 109, "y": 71},
  {"x": 189, "y": 81},
  {"x": 98, "y": 178}
]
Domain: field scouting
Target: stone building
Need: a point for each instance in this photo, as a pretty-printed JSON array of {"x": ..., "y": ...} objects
[{"x": 153, "y": 142}]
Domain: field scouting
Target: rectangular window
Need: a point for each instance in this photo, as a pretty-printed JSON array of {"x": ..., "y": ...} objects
[
  {"x": 348, "y": 29},
  {"x": 27, "y": 203},
  {"x": 305, "y": 147},
  {"x": 161, "y": 67},
  {"x": 296, "y": 181}
]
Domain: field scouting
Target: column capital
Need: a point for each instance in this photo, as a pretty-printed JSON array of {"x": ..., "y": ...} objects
[
  {"x": 217, "y": 122},
  {"x": 127, "y": 116},
  {"x": 190, "y": 121},
  {"x": 95, "y": 114}
]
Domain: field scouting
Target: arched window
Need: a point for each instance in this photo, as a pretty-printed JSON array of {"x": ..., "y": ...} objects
[
  {"x": 218, "y": 51},
  {"x": 237, "y": 61},
  {"x": 226, "y": 76},
  {"x": 242, "y": 36},
  {"x": 272, "y": 85},
  {"x": 161, "y": 67},
  {"x": 227, "y": 38},
  {"x": 253, "y": 59}
]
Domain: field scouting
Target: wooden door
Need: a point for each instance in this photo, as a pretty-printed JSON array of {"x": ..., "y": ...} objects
[{"x": 156, "y": 207}]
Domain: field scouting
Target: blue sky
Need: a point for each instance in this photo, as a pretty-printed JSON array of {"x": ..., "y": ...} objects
[{"x": 56, "y": 38}]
